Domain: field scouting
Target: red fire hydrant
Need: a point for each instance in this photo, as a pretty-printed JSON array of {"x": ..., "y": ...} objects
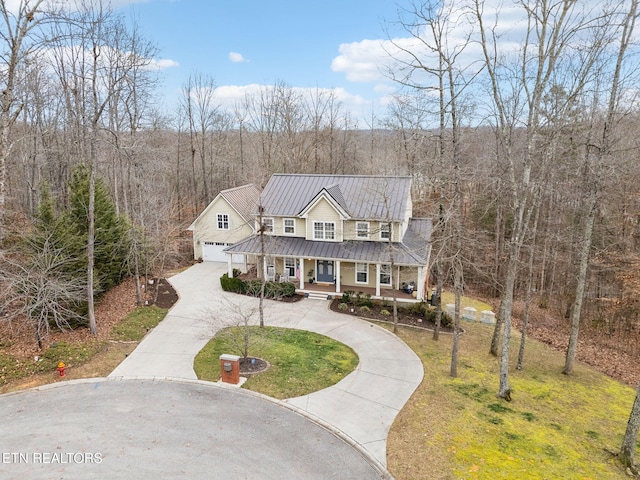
[{"x": 61, "y": 367}]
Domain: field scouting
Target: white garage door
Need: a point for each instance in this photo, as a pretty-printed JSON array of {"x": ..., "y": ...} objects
[{"x": 212, "y": 252}]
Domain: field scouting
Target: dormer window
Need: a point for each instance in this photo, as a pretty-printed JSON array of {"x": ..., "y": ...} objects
[
  {"x": 385, "y": 231},
  {"x": 362, "y": 230},
  {"x": 324, "y": 231},
  {"x": 289, "y": 226},
  {"x": 267, "y": 224}
]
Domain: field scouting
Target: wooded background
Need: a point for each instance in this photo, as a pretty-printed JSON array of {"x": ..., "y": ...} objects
[{"x": 523, "y": 150}]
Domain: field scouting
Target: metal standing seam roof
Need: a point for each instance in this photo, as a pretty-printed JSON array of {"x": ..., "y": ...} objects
[
  {"x": 417, "y": 237},
  {"x": 242, "y": 199},
  {"x": 352, "y": 250},
  {"x": 362, "y": 197}
]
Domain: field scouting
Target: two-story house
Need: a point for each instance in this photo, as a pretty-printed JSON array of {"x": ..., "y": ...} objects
[{"x": 343, "y": 231}]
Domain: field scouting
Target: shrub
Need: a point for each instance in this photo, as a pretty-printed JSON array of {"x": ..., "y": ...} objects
[
  {"x": 419, "y": 308},
  {"x": 276, "y": 290},
  {"x": 271, "y": 289},
  {"x": 363, "y": 300},
  {"x": 430, "y": 316},
  {"x": 347, "y": 296},
  {"x": 364, "y": 309},
  {"x": 252, "y": 287},
  {"x": 343, "y": 306},
  {"x": 288, "y": 289},
  {"x": 446, "y": 320},
  {"x": 236, "y": 272},
  {"x": 232, "y": 284},
  {"x": 385, "y": 312}
]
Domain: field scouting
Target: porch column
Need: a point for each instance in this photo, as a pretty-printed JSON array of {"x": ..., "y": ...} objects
[
  {"x": 377, "y": 279},
  {"x": 264, "y": 267},
  {"x": 420, "y": 286},
  {"x": 301, "y": 272},
  {"x": 229, "y": 265},
  {"x": 337, "y": 276}
]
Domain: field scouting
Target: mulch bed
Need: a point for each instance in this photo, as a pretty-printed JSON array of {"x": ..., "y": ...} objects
[
  {"x": 252, "y": 365},
  {"x": 406, "y": 316},
  {"x": 161, "y": 293}
]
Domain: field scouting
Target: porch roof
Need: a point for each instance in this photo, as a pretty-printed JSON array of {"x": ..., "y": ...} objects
[{"x": 353, "y": 250}]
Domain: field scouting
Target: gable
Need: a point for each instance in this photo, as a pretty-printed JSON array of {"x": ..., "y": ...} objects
[
  {"x": 209, "y": 217},
  {"x": 324, "y": 201},
  {"x": 359, "y": 196},
  {"x": 240, "y": 200}
]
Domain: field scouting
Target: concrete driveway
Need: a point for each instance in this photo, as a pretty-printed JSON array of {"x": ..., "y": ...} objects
[{"x": 362, "y": 406}]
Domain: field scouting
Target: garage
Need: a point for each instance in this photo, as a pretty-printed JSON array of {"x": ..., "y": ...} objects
[{"x": 213, "y": 252}]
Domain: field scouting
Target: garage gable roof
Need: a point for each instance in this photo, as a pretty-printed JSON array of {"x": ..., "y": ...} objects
[{"x": 242, "y": 199}]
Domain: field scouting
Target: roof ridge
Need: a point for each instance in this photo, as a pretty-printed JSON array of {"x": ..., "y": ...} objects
[
  {"x": 337, "y": 175},
  {"x": 238, "y": 188}
]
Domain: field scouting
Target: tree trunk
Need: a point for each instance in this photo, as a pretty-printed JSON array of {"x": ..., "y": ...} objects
[
  {"x": 628, "y": 449},
  {"x": 528, "y": 299},
  {"x": 506, "y": 306},
  {"x": 585, "y": 247}
]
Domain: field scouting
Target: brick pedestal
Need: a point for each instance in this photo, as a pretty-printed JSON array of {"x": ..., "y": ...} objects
[{"x": 230, "y": 368}]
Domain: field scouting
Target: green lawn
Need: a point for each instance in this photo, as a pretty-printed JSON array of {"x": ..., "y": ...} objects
[
  {"x": 136, "y": 325},
  {"x": 556, "y": 426},
  {"x": 301, "y": 362}
]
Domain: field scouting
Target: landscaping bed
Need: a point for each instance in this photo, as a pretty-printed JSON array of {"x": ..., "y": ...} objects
[{"x": 420, "y": 315}]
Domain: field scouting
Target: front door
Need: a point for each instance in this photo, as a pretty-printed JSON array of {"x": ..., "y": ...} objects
[{"x": 325, "y": 271}]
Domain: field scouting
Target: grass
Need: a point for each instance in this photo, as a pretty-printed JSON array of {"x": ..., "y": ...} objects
[
  {"x": 136, "y": 325},
  {"x": 556, "y": 426},
  {"x": 94, "y": 358},
  {"x": 301, "y": 362},
  {"x": 449, "y": 297}
]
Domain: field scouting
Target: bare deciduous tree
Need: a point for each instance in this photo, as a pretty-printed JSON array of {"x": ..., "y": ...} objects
[{"x": 19, "y": 43}]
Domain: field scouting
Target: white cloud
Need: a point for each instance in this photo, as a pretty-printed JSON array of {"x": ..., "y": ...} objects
[
  {"x": 162, "y": 63},
  {"x": 361, "y": 61},
  {"x": 236, "y": 57}
]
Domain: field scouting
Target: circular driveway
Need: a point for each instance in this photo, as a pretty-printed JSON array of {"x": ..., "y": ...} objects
[{"x": 149, "y": 429}]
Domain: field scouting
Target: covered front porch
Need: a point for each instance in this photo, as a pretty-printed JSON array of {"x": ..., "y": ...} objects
[
  {"x": 329, "y": 290},
  {"x": 376, "y": 268}
]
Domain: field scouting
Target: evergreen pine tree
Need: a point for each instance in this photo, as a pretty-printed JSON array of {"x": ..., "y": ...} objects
[{"x": 112, "y": 238}]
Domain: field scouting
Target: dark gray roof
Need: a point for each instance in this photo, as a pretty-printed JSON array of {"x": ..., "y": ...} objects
[
  {"x": 244, "y": 199},
  {"x": 362, "y": 197},
  {"x": 357, "y": 251},
  {"x": 418, "y": 236}
]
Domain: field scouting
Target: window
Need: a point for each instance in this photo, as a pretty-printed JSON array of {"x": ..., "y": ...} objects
[
  {"x": 385, "y": 231},
  {"x": 362, "y": 229},
  {"x": 290, "y": 266},
  {"x": 385, "y": 274},
  {"x": 223, "y": 221},
  {"x": 268, "y": 225},
  {"x": 324, "y": 231},
  {"x": 289, "y": 226},
  {"x": 362, "y": 273}
]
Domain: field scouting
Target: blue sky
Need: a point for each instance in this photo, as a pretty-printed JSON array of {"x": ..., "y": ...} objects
[{"x": 241, "y": 43}]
